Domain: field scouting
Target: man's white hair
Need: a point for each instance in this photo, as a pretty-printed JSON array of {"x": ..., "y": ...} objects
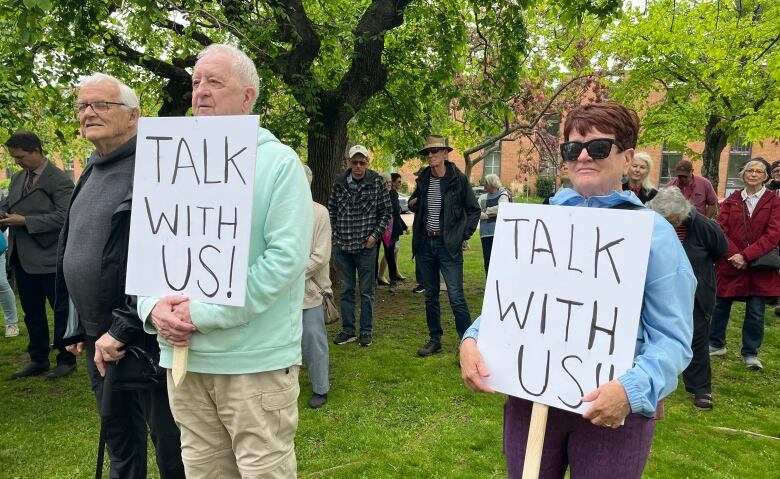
[
  {"x": 493, "y": 180},
  {"x": 242, "y": 66},
  {"x": 126, "y": 94},
  {"x": 671, "y": 204}
]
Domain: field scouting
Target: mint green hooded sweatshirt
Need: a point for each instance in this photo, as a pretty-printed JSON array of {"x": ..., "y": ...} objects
[{"x": 264, "y": 335}]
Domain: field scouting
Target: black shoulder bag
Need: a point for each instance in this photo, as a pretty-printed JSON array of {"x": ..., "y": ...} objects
[{"x": 771, "y": 259}]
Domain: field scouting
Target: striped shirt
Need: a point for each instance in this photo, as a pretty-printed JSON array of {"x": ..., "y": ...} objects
[{"x": 433, "y": 222}]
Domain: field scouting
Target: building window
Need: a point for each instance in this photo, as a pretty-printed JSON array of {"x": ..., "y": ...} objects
[
  {"x": 553, "y": 124},
  {"x": 739, "y": 153},
  {"x": 669, "y": 159},
  {"x": 492, "y": 160}
]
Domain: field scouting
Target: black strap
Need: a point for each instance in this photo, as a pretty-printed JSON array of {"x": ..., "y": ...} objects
[
  {"x": 101, "y": 449},
  {"x": 626, "y": 206},
  {"x": 744, "y": 222}
]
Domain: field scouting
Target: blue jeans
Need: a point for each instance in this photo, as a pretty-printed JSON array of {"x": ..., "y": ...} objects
[
  {"x": 364, "y": 263},
  {"x": 7, "y": 298},
  {"x": 752, "y": 327},
  {"x": 433, "y": 258}
]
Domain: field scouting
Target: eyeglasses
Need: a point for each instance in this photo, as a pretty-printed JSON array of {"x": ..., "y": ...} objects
[
  {"x": 598, "y": 149},
  {"x": 755, "y": 172},
  {"x": 358, "y": 162},
  {"x": 97, "y": 106},
  {"x": 433, "y": 151}
]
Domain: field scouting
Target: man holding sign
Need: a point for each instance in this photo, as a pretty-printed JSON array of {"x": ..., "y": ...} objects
[
  {"x": 612, "y": 437},
  {"x": 237, "y": 405},
  {"x": 91, "y": 273}
]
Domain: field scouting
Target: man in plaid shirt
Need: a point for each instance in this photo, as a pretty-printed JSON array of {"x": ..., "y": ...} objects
[{"x": 359, "y": 207}]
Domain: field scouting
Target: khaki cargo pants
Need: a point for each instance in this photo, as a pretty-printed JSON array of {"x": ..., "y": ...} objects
[{"x": 237, "y": 425}]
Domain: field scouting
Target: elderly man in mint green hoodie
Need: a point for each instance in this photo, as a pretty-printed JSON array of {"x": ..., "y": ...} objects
[{"x": 237, "y": 405}]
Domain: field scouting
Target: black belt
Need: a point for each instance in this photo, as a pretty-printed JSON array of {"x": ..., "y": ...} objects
[{"x": 432, "y": 233}]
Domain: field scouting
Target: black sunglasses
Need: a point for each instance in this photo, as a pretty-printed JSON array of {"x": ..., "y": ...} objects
[
  {"x": 598, "y": 149},
  {"x": 433, "y": 150}
]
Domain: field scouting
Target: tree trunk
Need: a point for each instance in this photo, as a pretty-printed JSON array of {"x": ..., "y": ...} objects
[
  {"x": 468, "y": 165},
  {"x": 714, "y": 141},
  {"x": 177, "y": 98},
  {"x": 327, "y": 147}
]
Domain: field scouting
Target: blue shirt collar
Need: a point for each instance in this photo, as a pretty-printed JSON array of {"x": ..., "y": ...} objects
[{"x": 569, "y": 197}]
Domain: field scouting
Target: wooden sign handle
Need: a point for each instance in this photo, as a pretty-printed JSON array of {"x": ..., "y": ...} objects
[
  {"x": 533, "y": 449},
  {"x": 179, "y": 367}
]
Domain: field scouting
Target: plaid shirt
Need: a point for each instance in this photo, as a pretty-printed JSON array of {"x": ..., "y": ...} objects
[{"x": 358, "y": 210}]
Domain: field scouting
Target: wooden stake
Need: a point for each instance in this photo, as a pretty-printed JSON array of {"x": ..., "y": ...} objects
[
  {"x": 533, "y": 449},
  {"x": 179, "y": 369}
]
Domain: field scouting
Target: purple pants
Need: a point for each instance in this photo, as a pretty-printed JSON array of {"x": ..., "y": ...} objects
[{"x": 571, "y": 441}]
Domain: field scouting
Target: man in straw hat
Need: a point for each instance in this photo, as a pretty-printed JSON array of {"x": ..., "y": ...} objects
[{"x": 446, "y": 213}]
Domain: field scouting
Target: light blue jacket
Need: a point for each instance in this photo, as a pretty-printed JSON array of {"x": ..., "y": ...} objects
[
  {"x": 265, "y": 334},
  {"x": 663, "y": 345}
]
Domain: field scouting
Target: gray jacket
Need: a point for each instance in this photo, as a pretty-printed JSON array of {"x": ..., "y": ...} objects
[{"x": 44, "y": 208}]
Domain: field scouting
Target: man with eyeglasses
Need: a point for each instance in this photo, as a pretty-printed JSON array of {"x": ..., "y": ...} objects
[
  {"x": 360, "y": 209},
  {"x": 91, "y": 275},
  {"x": 696, "y": 189},
  {"x": 446, "y": 213},
  {"x": 33, "y": 212}
]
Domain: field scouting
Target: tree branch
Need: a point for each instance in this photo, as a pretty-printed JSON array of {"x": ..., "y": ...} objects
[
  {"x": 367, "y": 74},
  {"x": 525, "y": 126},
  {"x": 297, "y": 29},
  {"x": 181, "y": 30},
  {"x": 154, "y": 65}
]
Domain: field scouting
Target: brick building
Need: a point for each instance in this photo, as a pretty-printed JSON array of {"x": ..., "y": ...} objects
[{"x": 506, "y": 161}]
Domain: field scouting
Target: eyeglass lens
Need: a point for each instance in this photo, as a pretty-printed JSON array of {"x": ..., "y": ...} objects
[
  {"x": 597, "y": 149},
  {"x": 100, "y": 106}
]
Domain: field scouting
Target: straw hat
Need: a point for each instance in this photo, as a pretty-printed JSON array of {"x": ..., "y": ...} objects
[{"x": 435, "y": 141}]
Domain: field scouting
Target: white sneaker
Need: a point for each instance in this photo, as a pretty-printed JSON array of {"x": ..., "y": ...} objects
[
  {"x": 753, "y": 363},
  {"x": 718, "y": 351},
  {"x": 11, "y": 330}
]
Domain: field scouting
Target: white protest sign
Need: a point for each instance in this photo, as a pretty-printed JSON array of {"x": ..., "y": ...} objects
[
  {"x": 562, "y": 301},
  {"x": 192, "y": 207}
]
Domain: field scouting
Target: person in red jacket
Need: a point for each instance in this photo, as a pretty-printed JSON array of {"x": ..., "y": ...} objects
[{"x": 750, "y": 219}]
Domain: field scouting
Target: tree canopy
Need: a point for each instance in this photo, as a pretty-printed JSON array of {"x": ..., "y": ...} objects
[
  {"x": 380, "y": 71},
  {"x": 715, "y": 66}
]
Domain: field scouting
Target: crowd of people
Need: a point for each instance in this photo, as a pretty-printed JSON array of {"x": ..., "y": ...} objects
[{"x": 68, "y": 244}]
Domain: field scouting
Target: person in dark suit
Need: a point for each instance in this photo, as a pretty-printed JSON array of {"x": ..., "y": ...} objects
[{"x": 34, "y": 211}]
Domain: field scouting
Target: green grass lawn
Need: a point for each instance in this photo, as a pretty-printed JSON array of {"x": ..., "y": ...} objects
[{"x": 391, "y": 414}]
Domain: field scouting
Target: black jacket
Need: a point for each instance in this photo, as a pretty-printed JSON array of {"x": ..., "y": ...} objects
[
  {"x": 704, "y": 244},
  {"x": 459, "y": 209},
  {"x": 121, "y": 308},
  {"x": 399, "y": 225},
  {"x": 645, "y": 194}
]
